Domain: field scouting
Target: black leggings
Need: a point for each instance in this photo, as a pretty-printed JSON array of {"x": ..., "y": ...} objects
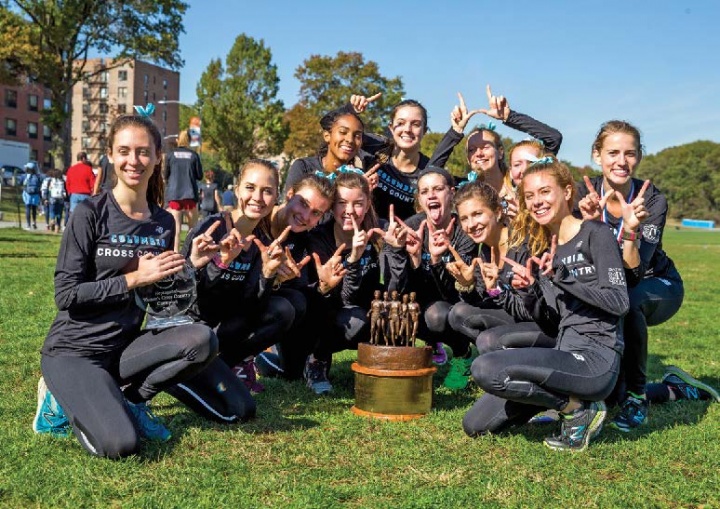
[
  {"x": 471, "y": 320},
  {"x": 652, "y": 302},
  {"x": 216, "y": 393},
  {"x": 539, "y": 377},
  {"x": 88, "y": 388},
  {"x": 516, "y": 335},
  {"x": 435, "y": 328}
]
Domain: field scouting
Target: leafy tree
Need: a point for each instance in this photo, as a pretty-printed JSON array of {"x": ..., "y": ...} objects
[
  {"x": 63, "y": 33},
  {"x": 241, "y": 116},
  {"x": 16, "y": 50},
  {"x": 688, "y": 176},
  {"x": 326, "y": 83}
]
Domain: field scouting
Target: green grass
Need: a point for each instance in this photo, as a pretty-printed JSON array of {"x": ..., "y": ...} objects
[{"x": 303, "y": 451}]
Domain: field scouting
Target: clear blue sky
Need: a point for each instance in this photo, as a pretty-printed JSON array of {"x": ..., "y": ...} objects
[{"x": 573, "y": 65}]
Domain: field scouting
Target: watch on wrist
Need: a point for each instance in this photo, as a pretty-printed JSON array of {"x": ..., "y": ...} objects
[{"x": 626, "y": 235}]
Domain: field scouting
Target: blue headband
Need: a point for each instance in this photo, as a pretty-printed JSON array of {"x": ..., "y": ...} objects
[
  {"x": 345, "y": 168},
  {"x": 542, "y": 160},
  {"x": 489, "y": 127},
  {"x": 146, "y": 111},
  {"x": 471, "y": 177}
]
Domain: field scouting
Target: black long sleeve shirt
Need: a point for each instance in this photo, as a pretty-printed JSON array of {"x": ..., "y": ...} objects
[
  {"x": 183, "y": 170},
  {"x": 587, "y": 291},
  {"x": 224, "y": 293},
  {"x": 654, "y": 262},
  {"x": 96, "y": 311}
]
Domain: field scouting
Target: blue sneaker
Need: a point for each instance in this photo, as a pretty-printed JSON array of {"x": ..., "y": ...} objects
[
  {"x": 147, "y": 424},
  {"x": 633, "y": 413},
  {"x": 686, "y": 387},
  {"x": 578, "y": 428},
  {"x": 50, "y": 417}
]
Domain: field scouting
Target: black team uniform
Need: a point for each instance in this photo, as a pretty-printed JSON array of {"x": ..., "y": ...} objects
[{"x": 95, "y": 344}]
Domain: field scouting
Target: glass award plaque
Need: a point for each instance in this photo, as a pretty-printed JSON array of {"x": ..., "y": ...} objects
[{"x": 167, "y": 300}]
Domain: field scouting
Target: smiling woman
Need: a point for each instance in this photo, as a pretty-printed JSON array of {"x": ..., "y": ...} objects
[{"x": 99, "y": 368}]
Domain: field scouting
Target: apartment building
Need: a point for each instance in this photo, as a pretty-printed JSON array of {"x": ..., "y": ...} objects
[
  {"x": 20, "y": 121},
  {"x": 111, "y": 91}
]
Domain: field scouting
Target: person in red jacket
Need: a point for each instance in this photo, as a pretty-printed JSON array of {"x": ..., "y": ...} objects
[{"x": 79, "y": 180}]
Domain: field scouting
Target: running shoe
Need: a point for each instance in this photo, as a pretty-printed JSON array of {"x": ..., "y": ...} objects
[
  {"x": 245, "y": 371},
  {"x": 687, "y": 387},
  {"x": 49, "y": 417},
  {"x": 545, "y": 417},
  {"x": 147, "y": 424},
  {"x": 633, "y": 413},
  {"x": 459, "y": 375},
  {"x": 315, "y": 375},
  {"x": 578, "y": 428},
  {"x": 267, "y": 364},
  {"x": 439, "y": 356}
]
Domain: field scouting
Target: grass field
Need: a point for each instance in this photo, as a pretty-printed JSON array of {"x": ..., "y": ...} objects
[{"x": 303, "y": 451}]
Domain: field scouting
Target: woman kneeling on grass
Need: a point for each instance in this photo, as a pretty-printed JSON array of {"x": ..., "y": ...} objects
[
  {"x": 581, "y": 293},
  {"x": 115, "y": 242}
]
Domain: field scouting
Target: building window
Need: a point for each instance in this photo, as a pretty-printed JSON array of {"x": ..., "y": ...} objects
[
  {"x": 48, "y": 162},
  {"x": 146, "y": 79},
  {"x": 47, "y": 104},
  {"x": 122, "y": 75},
  {"x": 104, "y": 108},
  {"x": 34, "y": 155},
  {"x": 104, "y": 127},
  {"x": 47, "y": 135},
  {"x": 85, "y": 126},
  {"x": 164, "y": 115},
  {"x": 154, "y": 79},
  {"x": 145, "y": 96},
  {"x": 33, "y": 102},
  {"x": 11, "y": 127},
  {"x": 154, "y": 97},
  {"x": 33, "y": 132},
  {"x": 86, "y": 93},
  {"x": 104, "y": 76},
  {"x": 165, "y": 84},
  {"x": 10, "y": 98},
  {"x": 122, "y": 92},
  {"x": 86, "y": 109},
  {"x": 103, "y": 93},
  {"x": 85, "y": 142},
  {"x": 122, "y": 109}
]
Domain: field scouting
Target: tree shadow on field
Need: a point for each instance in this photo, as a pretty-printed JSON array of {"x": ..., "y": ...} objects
[{"x": 28, "y": 255}]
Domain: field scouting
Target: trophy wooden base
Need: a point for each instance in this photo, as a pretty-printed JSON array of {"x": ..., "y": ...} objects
[{"x": 393, "y": 382}]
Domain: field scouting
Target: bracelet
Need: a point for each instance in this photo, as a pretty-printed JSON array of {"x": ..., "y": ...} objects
[
  {"x": 494, "y": 292},
  {"x": 464, "y": 288},
  {"x": 219, "y": 263},
  {"x": 626, "y": 235}
]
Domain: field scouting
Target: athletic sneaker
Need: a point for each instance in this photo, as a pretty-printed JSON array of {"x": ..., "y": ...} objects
[
  {"x": 545, "y": 417},
  {"x": 49, "y": 417},
  {"x": 687, "y": 387},
  {"x": 267, "y": 364},
  {"x": 459, "y": 375},
  {"x": 633, "y": 413},
  {"x": 578, "y": 428},
  {"x": 245, "y": 371},
  {"x": 440, "y": 356},
  {"x": 315, "y": 375},
  {"x": 147, "y": 424}
]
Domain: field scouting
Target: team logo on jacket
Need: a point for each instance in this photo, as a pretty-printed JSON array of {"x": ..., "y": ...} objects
[
  {"x": 159, "y": 230},
  {"x": 616, "y": 276},
  {"x": 651, "y": 233}
]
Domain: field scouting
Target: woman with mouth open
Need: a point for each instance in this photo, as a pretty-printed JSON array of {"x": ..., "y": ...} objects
[
  {"x": 419, "y": 265},
  {"x": 577, "y": 295},
  {"x": 235, "y": 297}
]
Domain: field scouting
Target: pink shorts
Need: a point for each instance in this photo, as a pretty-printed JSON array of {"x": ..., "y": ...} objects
[{"x": 182, "y": 204}]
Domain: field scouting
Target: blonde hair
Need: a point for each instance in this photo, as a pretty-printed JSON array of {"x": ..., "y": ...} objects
[{"x": 524, "y": 227}]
